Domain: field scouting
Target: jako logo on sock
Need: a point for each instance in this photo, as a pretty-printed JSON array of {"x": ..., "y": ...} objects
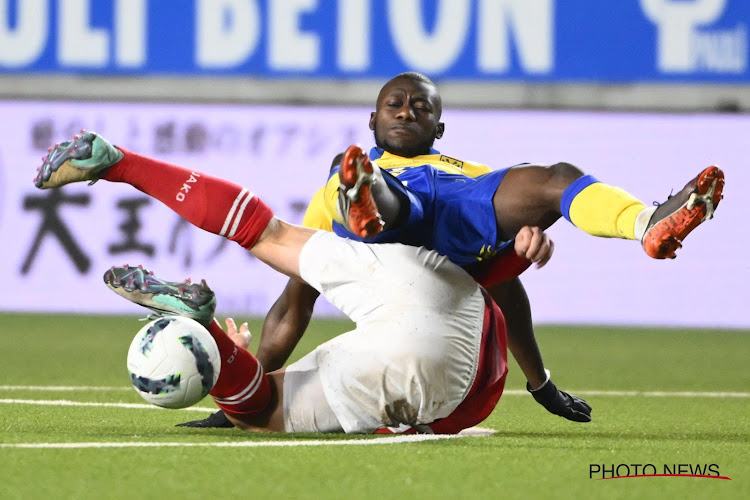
[{"x": 186, "y": 186}]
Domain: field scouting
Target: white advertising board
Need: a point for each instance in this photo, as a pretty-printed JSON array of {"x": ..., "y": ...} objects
[{"x": 57, "y": 244}]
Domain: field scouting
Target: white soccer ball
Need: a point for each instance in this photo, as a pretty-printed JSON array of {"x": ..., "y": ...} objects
[{"x": 173, "y": 362}]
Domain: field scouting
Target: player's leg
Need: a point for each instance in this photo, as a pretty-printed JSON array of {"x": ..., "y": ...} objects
[
  {"x": 210, "y": 203},
  {"x": 538, "y": 196},
  {"x": 531, "y": 195},
  {"x": 271, "y": 418},
  {"x": 213, "y": 204}
]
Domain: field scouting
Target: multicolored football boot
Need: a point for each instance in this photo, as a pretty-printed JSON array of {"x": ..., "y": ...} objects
[
  {"x": 165, "y": 298},
  {"x": 78, "y": 160},
  {"x": 674, "y": 219}
]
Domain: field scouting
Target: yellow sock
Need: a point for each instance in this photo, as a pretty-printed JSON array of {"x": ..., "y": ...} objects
[{"x": 606, "y": 211}]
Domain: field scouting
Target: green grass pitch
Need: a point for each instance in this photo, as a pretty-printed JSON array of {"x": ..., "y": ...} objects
[{"x": 532, "y": 454}]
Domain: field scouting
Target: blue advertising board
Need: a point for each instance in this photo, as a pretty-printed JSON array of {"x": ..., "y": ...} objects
[{"x": 551, "y": 41}]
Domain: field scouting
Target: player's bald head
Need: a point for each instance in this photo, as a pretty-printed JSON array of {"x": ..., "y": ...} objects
[{"x": 419, "y": 78}]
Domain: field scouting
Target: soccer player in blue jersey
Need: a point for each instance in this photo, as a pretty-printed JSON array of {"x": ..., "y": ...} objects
[{"x": 413, "y": 194}]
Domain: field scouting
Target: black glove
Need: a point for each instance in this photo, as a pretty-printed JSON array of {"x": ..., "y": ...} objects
[
  {"x": 561, "y": 403},
  {"x": 217, "y": 419}
]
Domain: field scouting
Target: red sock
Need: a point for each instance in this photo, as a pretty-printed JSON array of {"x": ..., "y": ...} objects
[
  {"x": 212, "y": 204},
  {"x": 243, "y": 387}
]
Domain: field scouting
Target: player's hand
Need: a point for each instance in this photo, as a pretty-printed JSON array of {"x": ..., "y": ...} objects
[
  {"x": 533, "y": 244},
  {"x": 241, "y": 337},
  {"x": 561, "y": 403}
]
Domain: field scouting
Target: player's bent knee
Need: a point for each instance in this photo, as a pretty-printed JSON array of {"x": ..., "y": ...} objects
[{"x": 564, "y": 172}]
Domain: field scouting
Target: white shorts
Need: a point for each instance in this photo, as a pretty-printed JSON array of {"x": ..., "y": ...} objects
[{"x": 413, "y": 355}]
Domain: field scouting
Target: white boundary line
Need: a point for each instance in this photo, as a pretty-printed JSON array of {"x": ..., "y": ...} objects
[
  {"x": 473, "y": 432},
  {"x": 64, "y": 402},
  {"x": 401, "y": 439},
  {"x": 648, "y": 394},
  {"x": 508, "y": 392},
  {"x": 62, "y": 388}
]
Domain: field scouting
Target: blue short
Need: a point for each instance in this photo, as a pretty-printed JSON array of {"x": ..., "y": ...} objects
[{"x": 452, "y": 214}]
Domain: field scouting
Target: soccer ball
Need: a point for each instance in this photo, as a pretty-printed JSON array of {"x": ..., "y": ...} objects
[{"x": 173, "y": 362}]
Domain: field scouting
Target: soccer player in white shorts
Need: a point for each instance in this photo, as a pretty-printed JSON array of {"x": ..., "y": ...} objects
[
  {"x": 429, "y": 349},
  {"x": 428, "y": 353},
  {"x": 414, "y": 355}
]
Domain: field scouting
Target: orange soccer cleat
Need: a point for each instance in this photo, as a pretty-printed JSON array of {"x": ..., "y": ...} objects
[
  {"x": 355, "y": 202},
  {"x": 674, "y": 219}
]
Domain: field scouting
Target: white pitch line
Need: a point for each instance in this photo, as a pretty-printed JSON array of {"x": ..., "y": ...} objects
[
  {"x": 399, "y": 439},
  {"x": 63, "y": 402},
  {"x": 61, "y": 388},
  {"x": 411, "y": 438},
  {"x": 648, "y": 394}
]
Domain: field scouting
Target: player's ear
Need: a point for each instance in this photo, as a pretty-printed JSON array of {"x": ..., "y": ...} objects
[
  {"x": 440, "y": 130},
  {"x": 372, "y": 120}
]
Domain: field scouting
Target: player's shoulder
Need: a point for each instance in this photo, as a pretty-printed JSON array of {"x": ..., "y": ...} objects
[
  {"x": 434, "y": 160},
  {"x": 467, "y": 167}
]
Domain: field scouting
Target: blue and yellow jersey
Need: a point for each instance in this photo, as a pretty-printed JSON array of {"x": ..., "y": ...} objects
[
  {"x": 318, "y": 214},
  {"x": 450, "y": 209},
  {"x": 398, "y": 165},
  {"x": 321, "y": 212}
]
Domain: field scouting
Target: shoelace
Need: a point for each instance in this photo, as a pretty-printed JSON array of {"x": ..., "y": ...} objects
[{"x": 657, "y": 204}]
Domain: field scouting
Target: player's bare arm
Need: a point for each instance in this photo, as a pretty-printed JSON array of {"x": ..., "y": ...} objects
[
  {"x": 285, "y": 323},
  {"x": 513, "y": 301}
]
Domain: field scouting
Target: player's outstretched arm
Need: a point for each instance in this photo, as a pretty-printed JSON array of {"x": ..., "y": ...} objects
[
  {"x": 514, "y": 303},
  {"x": 285, "y": 324},
  {"x": 532, "y": 244}
]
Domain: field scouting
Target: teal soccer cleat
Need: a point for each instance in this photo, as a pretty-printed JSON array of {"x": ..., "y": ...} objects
[
  {"x": 82, "y": 159},
  {"x": 165, "y": 298}
]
